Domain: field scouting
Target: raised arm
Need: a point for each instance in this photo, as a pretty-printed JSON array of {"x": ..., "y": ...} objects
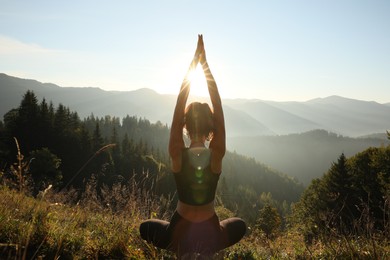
[
  {"x": 218, "y": 143},
  {"x": 176, "y": 142}
]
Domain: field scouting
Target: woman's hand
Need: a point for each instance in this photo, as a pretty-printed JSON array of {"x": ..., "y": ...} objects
[
  {"x": 197, "y": 55},
  {"x": 202, "y": 54},
  {"x": 199, "y": 51},
  {"x": 199, "y": 47}
]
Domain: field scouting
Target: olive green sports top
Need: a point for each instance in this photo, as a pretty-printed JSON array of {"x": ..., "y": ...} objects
[{"x": 195, "y": 183}]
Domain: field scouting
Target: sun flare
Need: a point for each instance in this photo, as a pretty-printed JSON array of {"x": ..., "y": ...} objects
[{"x": 198, "y": 82}]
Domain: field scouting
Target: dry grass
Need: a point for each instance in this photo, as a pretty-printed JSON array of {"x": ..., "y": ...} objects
[
  {"x": 48, "y": 227},
  {"x": 52, "y": 227}
]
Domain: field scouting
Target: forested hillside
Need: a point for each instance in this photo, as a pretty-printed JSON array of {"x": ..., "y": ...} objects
[{"x": 65, "y": 151}]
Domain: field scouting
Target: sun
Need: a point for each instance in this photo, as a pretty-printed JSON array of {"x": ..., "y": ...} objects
[
  {"x": 198, "y": 83},
  {"x": 171, "y": 78}
]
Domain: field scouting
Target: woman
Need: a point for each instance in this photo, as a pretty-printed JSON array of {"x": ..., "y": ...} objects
[{"x": 195, "y": 227}]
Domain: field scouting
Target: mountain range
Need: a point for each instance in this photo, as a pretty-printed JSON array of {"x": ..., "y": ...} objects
[{"x": 250, "y": 123}]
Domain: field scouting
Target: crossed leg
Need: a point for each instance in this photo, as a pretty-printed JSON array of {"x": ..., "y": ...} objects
[{"x": 183, "y": 235}]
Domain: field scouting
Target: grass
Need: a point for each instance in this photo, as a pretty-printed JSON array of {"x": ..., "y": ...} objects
[
  {"x": 52, "y": 227},
  {"x": 49, "y": 228}
]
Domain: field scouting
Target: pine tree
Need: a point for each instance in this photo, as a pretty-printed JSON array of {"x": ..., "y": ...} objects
[
  {"x": 340, "y": 194},
  {"x": 60, "y": 123},
  {"x": 97, "y": 139},
  {"x": 269, "y": 220},
  {"x": 127, "y": 156},
  {"x": 45, "y": 124},
  {"x": 101, "y": 157},
  {"x": 116, "y": 152},
  {"x": 26, "y": 122},
  {"x": 367, "y": 174}
]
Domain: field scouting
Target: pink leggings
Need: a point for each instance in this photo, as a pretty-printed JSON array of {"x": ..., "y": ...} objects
[{"x": 183, "y": 236}]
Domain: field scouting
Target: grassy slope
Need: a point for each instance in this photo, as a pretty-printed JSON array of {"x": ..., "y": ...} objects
[{"x": 30, "y": 228}]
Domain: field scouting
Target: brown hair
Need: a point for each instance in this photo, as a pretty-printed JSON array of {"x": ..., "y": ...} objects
[{"x": 199, "y": 120}]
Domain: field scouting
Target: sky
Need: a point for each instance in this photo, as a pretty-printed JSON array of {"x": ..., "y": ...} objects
[{"x": 269, "y": 50}]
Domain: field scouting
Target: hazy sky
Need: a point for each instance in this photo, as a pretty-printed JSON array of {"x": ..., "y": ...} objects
[{"x": 271, "y": 50}]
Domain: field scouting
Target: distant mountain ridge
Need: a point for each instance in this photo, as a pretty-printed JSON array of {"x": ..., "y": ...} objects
[
  {"x": 283, "y": 135},
  {"x": 244, "y": 117}
]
